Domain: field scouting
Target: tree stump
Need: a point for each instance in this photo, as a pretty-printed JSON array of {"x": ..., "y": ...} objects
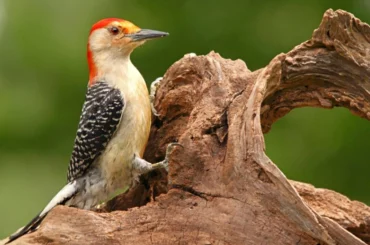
[{"x": 221, "y": 187}]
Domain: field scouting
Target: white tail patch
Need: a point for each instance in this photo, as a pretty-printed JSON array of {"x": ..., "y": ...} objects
[
  {"x": 63, "y": 195},
  {"x": 66, "y": 193}
]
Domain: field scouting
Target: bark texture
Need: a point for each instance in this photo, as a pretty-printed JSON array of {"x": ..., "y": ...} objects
[{"x": 221, "y": 187}]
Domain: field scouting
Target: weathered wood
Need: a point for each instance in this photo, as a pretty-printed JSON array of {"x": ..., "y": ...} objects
[{"x": 222, "y": 187}]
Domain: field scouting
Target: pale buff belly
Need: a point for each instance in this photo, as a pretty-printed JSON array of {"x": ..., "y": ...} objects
[{"x": 130, "y": 140}]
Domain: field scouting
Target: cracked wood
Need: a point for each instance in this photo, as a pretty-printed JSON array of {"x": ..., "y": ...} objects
[{"x": 223, "y": 188}]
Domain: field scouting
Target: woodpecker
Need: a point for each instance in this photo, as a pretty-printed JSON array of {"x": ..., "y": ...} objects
[{"x": 114, "y": 124}]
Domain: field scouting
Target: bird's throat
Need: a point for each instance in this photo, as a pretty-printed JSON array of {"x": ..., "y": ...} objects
[{"x": 105, "y": 65}]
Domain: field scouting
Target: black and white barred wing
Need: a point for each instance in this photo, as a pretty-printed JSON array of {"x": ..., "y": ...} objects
[{"x": 101, "y": 115}]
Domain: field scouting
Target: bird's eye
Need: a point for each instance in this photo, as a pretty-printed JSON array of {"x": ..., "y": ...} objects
[{"x": 114, "y": 30}]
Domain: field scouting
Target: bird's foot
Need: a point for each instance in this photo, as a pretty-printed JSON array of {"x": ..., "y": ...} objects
[
  {"x": 153, "y": 89},
  {"x": 170, "y": 148},
  {"x": 141, "y": 166}
]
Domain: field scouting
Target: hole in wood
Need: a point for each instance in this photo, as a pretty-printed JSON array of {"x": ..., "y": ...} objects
[{"x": 326, "y": 148}]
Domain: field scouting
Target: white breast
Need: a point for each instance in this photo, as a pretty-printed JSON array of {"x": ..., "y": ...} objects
[{"x": 133, "y": 131}]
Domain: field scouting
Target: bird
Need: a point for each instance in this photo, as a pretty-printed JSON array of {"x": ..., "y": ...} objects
[{"x": 114, "y": 124}]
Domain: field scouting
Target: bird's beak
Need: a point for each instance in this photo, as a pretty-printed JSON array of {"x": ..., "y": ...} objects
[{"x": 145, "y": 34}]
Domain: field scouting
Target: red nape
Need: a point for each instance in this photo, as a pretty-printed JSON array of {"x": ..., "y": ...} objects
[
  {"x": 92, "y": 68},
  {"x": 90, "y": 60}
]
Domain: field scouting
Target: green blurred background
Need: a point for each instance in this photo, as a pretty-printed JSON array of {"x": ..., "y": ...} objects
[{"x": 43, "y": 75}]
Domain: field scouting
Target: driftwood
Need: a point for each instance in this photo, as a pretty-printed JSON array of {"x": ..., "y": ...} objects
[{"x": 221, "y": 187}]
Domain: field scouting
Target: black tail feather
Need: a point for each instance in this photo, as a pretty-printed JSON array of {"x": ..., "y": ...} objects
[
  {"x": 66, "y": 194},
  {"x": 31, "y": 226}
]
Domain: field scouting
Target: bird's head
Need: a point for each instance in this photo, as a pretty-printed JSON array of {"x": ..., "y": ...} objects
[{"x": 115, "y": 38}]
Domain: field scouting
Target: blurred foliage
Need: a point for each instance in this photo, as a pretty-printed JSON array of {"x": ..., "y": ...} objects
[{"x": 43, "y": 75}]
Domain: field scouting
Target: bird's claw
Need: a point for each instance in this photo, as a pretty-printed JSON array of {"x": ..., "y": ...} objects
[
  {"x": 153, "y": 89},
  {"x": 170, "y": 148}
]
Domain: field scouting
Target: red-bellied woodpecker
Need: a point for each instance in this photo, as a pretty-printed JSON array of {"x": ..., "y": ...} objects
[{"x": 114, "y": 124}]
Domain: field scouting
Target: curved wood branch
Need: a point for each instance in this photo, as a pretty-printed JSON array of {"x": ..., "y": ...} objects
[
  {"x": 332, "y": 69},
  {"x": 222, "y": 188}
]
